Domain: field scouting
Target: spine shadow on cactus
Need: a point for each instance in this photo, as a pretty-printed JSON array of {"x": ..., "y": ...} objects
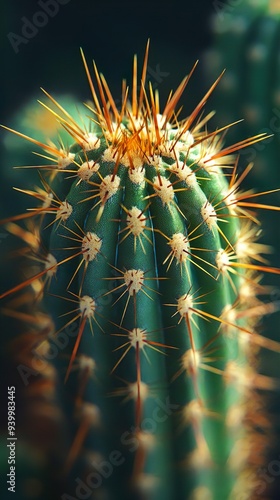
[{"x": 148, "y": 245}]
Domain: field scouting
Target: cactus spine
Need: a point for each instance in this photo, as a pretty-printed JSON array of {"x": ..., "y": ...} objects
[{"x": 150, "y": 271}]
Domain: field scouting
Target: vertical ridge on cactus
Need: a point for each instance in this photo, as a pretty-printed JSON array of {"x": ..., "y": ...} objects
[{"x": 147, "y": 253}]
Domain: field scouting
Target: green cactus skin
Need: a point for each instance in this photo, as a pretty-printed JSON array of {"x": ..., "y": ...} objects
[
  {"x": 246, "y": 41},
  {"x": 150, "y": 271}
]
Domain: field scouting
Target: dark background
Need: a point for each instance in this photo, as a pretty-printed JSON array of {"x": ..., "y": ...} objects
[{"x": 109, "y": 32}]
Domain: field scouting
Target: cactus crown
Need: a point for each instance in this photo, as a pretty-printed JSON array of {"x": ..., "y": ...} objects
[{"x": 148, "y": 249}]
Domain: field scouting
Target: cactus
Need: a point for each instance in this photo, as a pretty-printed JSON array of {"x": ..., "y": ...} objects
[
  {"x": 149, "y": 269},
  {"x": 245, "y": 42}
]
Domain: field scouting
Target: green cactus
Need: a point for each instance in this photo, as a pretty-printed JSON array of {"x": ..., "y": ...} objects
[
  {"x": 149, "y": 268},
  {"x": 245, "y": 42}
]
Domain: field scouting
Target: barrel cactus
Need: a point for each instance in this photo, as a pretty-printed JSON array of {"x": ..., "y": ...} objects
[{"x": 149, "y": 273}]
